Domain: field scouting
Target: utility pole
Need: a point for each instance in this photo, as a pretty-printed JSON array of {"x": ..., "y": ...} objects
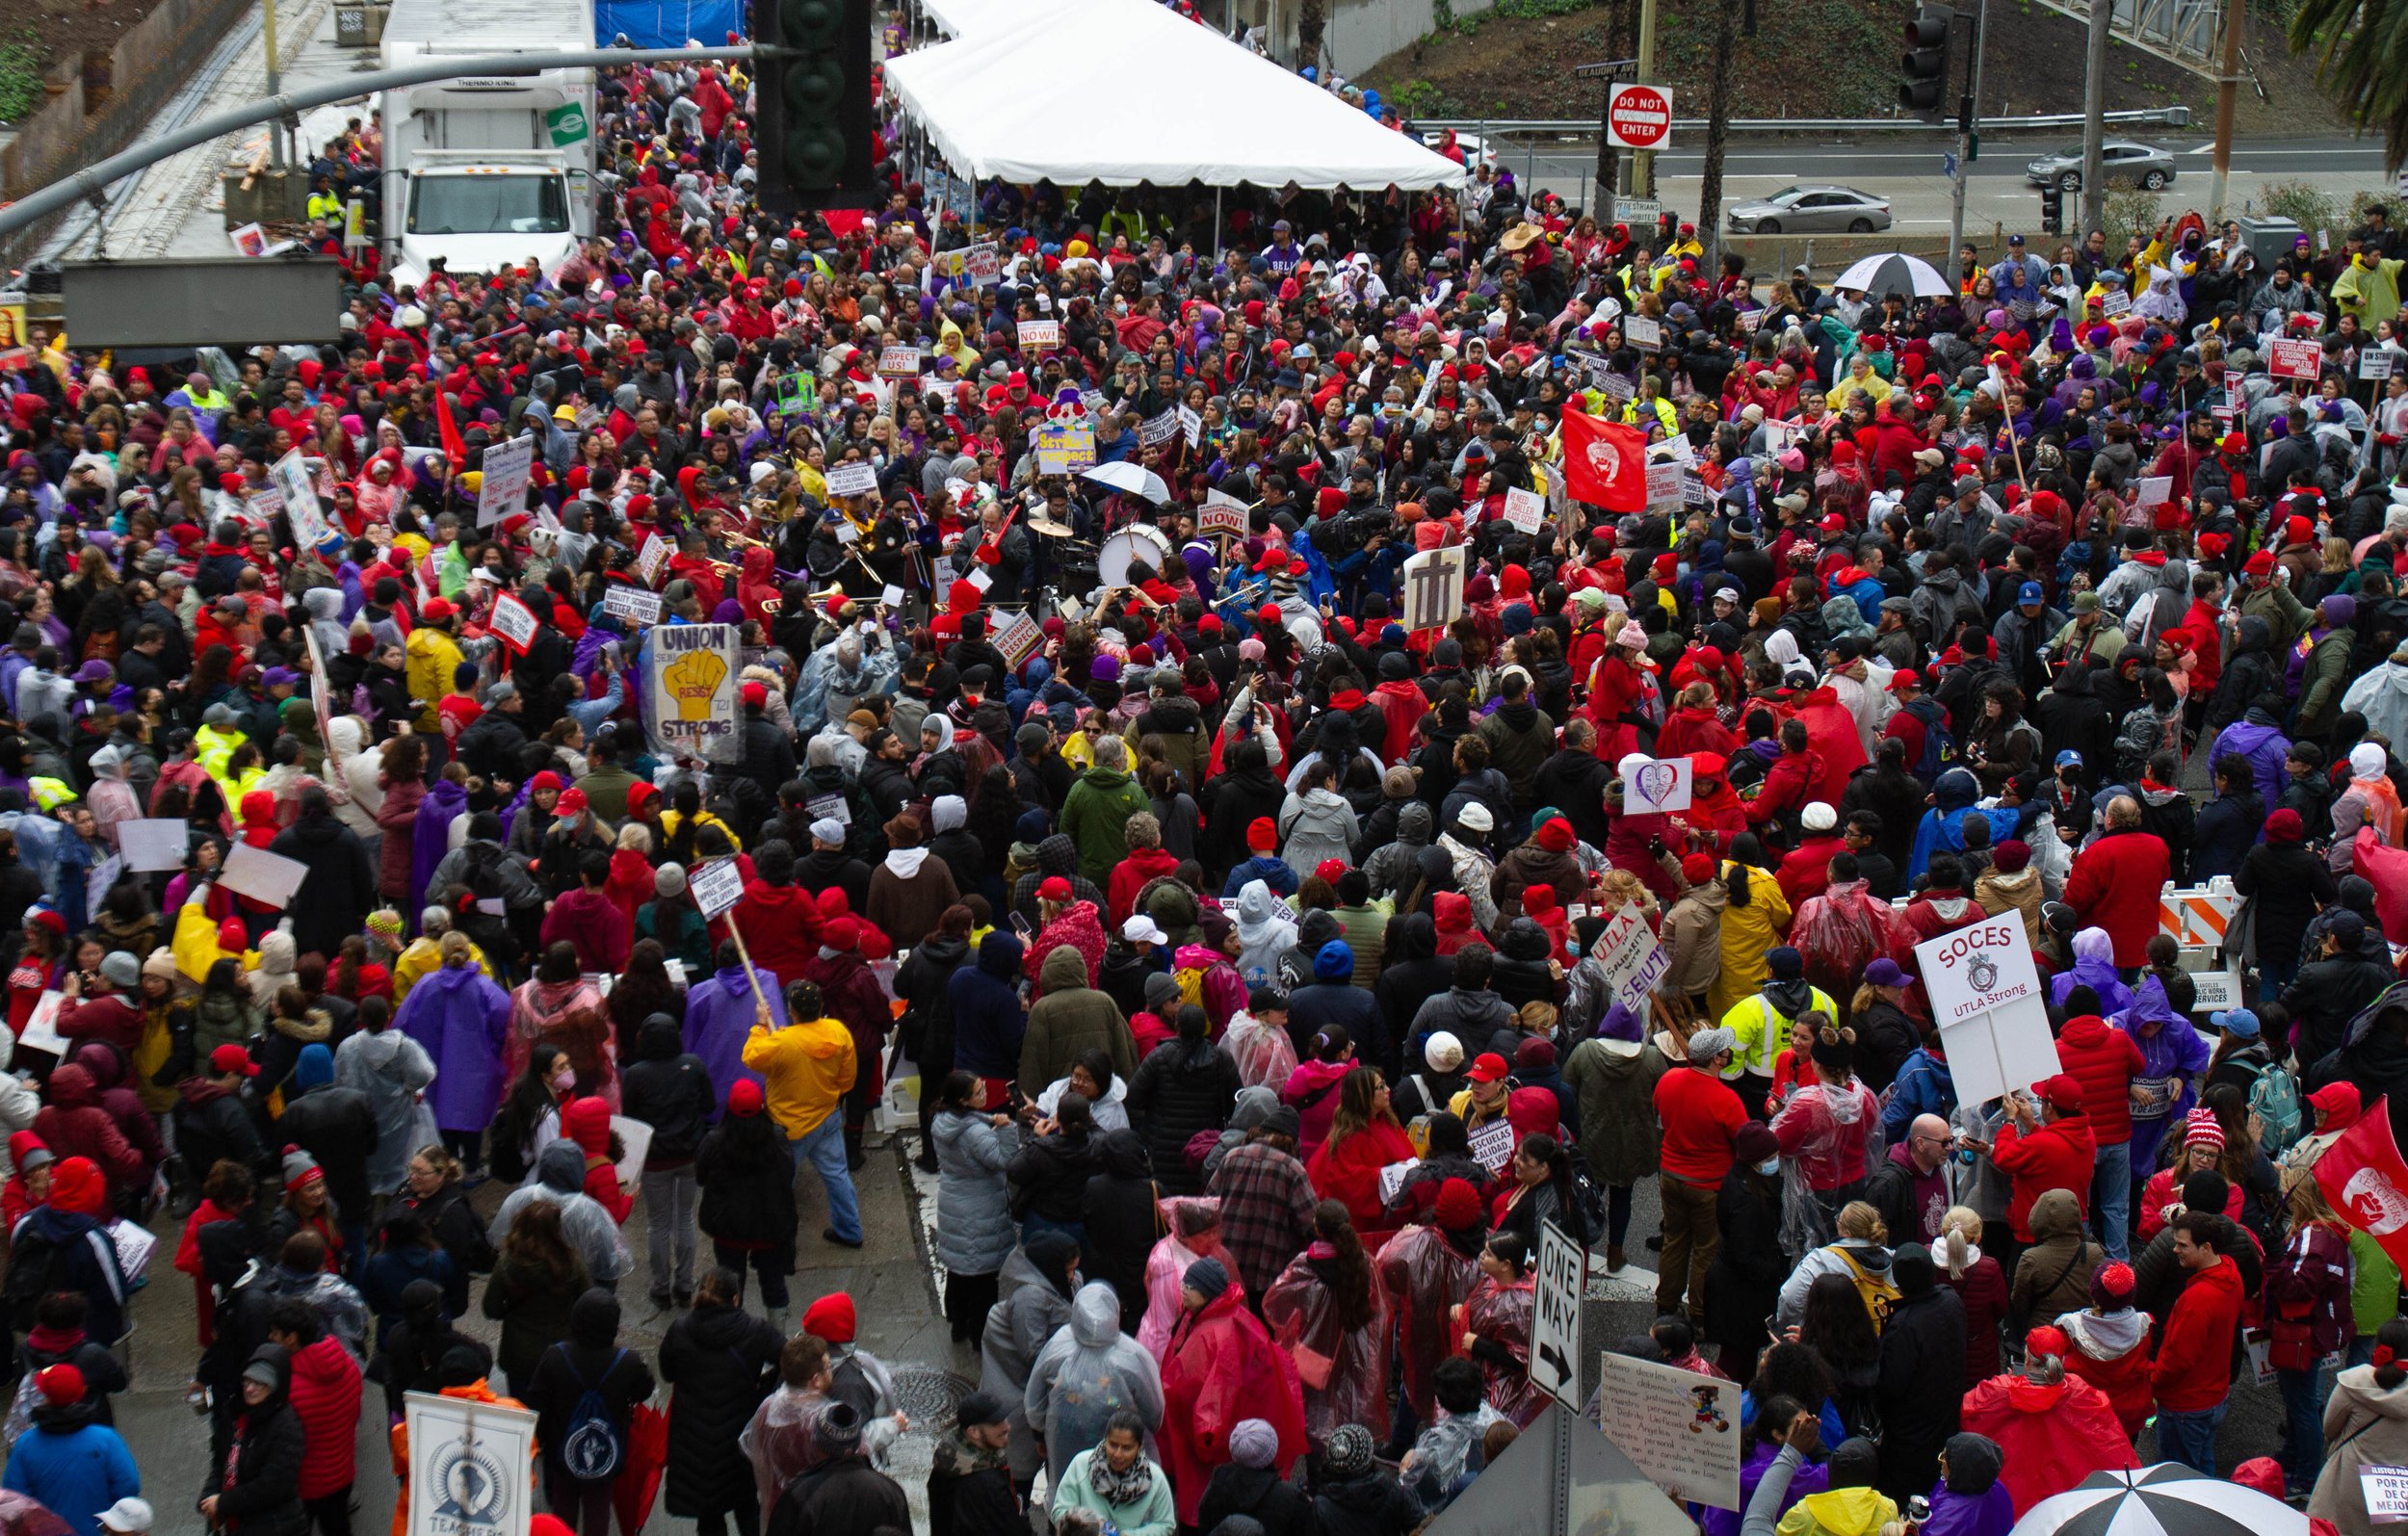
[
  {"x": 2226, "y": 94},
  {"x": 2094, "y": 123},
  {"x": 1643, "y": 165},
  {"x": 267, "y": 38},
  {"x": 1968, "y": 125}
]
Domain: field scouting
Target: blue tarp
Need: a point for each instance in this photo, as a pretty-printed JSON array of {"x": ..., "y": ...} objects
[{"x": 668, "y": 23}]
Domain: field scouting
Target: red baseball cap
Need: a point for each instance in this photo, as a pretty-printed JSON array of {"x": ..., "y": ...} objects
[
  {"x": 231, "y": 1057},
  {"x": 1054, "y": 888},
  {"x": 1490, "y": 1067}
]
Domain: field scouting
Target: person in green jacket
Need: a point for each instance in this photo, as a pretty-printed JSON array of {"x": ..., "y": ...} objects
[
  {"x": 1096, "y": 812},
  {"x": 2326, "y": 674}
]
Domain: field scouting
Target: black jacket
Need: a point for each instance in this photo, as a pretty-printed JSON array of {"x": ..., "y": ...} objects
[
  {"x": 747, "y": 1185},
  {"x": 769, "y": 759},
  {"x": 980, "y": 1503},
  {"x": 1180, "y": 1089},
  {"x": 2328, "y": 994},
  {"x": 669, "y": 1090},
  {"x": 491, "y": 743},
  {"x": 720, "y": 1362},
  {"x": 341, "y": 883},
  {"x": 2225, "y": 831},
  {"x": 1048, "y": 1177},
  {"x": 589, "y": 1360},
  {"x": 265, "y": 1495},
  {"x": 1373, "y": 1505},
  {"x": 337, "y": 1126},
  {"x": 1232, "y": 802},
  {"x": 1119, "y": 1215},
  {"x": 1575, "y": 781},
  {"x": 214, "y": 1123},
  {"x": 2286, "y": 884},
  {"x": 844, "y": 1497},
  {"x": 1258, "y": 1491},
  {"x": 1923, "y": 1383},
  {"x": 924, "y": 984}
]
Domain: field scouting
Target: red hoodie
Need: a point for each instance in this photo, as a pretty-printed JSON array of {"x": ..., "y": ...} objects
[
  {"x": 325, "y": 1400},
  {"x": 1129, "y": 877},
  {"x": 2105, "y": 1061},
  {"x": 2193, "y": 1368},
  {"x": 2056, "y": 1155},
  {"x": 588, "y": 1122},
  {"x": 782, "y": 928}
]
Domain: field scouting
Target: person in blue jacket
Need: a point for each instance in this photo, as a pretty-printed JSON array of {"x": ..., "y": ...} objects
[{"x": 72, "y": 1466}]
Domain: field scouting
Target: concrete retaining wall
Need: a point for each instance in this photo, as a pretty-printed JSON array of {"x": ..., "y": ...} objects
[{"x": 102, "y": 101}]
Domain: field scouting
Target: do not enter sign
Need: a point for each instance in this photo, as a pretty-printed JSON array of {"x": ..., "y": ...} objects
[{"x": 1638, "y": 116}]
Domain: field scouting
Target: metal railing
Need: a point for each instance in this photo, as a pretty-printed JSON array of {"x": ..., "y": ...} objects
[{"x": 1586, "y": 127}]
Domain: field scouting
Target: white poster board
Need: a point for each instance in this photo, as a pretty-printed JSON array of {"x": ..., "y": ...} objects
[
  {"x": 1680, "y": 1428},
  {"x": 635, "y": 1138},
  {"x": 2386, "y": 1489},
  {"x": 1634, "y": 960},
  {"x": 298, "y": 494},
  {"x": 1223, "y": 514},
  {"x": 469, "y": 1465},
  {"x": 1525, "y": 508},
  {"x": 852, "y": 480},
  {"x": 268, "y": 879},
  {"x": 1392, "y": 1178},
  {"x": 1039, "y": 335},
  {"x": 1561, "y": 1283},
  {"x": 1434, "y": 588},
  {"x": 514, "y": 622},
  {"x": 41, "y": 1025},
  {"x": 1642, "y": 332},
  {"x": 1492, "y": 1144},
  {"x": 1986, "y": 999},
  {"x": 690, "y": 676},
  {"x": 153, "y": 843},
  {"x": 634, "y": 604},
  {"x": 717, "y": 887},
  {"x": 1658, "y": 785},
  {"x": 507, "y": 468}
]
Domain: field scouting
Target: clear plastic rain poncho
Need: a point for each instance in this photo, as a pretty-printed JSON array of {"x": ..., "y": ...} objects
[
  {"x": 1502, "y": 1313},
  {"x": 1830, "y": 1141},
  {"x": 1195, "y": 1222},
  {"x": 1263, "y": 1052},
  {"x": 1345, "y": 1370},
  {"x": 1086, "y": 1373},
  {"x": 1424, "y": 1277}
]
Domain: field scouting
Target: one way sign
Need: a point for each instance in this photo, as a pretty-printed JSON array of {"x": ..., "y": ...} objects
[{"x": 1555, "y": 1316}]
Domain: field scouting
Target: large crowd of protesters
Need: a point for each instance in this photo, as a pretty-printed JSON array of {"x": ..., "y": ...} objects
[{"x": 1226, "y": 954}]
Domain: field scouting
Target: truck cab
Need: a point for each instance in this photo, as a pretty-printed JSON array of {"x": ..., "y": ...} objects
[{"x": 481, "y": 211}]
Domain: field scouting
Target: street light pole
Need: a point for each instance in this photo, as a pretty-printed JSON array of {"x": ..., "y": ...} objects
[
  {"x": 2227, "y": 96},
  {"x": 2094, "y": 122},
  {"x": 267, "y": 38}
]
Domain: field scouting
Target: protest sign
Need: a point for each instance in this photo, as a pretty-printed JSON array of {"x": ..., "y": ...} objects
[
  {"x": 984, "y": 262},
  {"x": 1223, "y": 514},
  {"x": 1525, "y": 510},
  {"x": 1986, "y": 999},
  {"x": 852, "y": 480},
  {"x": 899, "y": 362},
  {"x": 1559, "y": 1285},
  {"x": 2386, "y": 1489},
  {"x": 634, "y": 604},
  {"x": 506, "y": 467},
  {"x": 799, "y": 394},
  {"x": 652, "y": 559},
  {"x": 1039, "y": 335},
  {"x": 101, "y": 878},
  {"x": 1663, "y": 485},
  {"x": 41, "y": 1025},
  {"x": 1392, "y": 1178},
  {"x": 1192, "y": 425},
  {"x": 1434, "y": 588},
  {"x": 717, "y": 886},
  {"x": 2375, "y": 362},
  {"x": 689, "y": 675},
  {"x": 2115, "y": 303},
  {"x": 1493, "y": 1144},
  {"x": 1642, "y": 332},
  {"x": 1019, "y": 640},
  {"x": 268, "y": 879},
  {"x": 1064, "y": 448},
  {"x": 151, "y": 844},
  {"x": 2286, "y": 357},
  {"x": 469, "y": 1467},
  {"x": 1160, "y": 428},
  {"x": 635, "y": 1138},
  {"x": 1632, "y": 958},
  {"x": 514, "y": 622},
  {"x": 1680, "y": 1428},
  {"x": 1656, "y": 786}
]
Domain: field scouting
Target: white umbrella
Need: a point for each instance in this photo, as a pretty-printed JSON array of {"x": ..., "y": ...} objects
[
  {"x": 1137, "y": 481},
  {"x": 1897, "y": 272},
  {"x": 2167, "y": 1499}
]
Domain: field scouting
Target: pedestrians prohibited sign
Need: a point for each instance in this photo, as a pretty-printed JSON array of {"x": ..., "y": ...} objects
[
  {"x": 1555, "y": 1316},
  {"x": 1638, "y": 116}
]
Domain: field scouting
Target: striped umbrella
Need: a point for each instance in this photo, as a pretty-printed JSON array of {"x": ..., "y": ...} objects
[{"x": 2167, "y": 1499}]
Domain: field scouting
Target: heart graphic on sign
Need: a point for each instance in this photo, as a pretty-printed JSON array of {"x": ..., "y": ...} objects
[
  {"x": 1605, "y": 459},
  {"x": 1656, "y": 780}
]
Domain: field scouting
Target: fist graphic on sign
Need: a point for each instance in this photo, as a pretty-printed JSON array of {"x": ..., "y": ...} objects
[
  {"x": 1604, "y": 458},
  {"x": 693, "y": 682}
]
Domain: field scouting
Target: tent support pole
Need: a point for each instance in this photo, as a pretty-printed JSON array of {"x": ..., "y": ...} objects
[{"x": 1216, "y": 218}]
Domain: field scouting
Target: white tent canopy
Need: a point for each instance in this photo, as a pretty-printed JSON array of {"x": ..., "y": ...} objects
[{"x": 1013, "y": 97}]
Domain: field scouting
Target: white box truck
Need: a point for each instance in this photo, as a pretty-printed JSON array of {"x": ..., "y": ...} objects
[{"x": 488, "y": 172}]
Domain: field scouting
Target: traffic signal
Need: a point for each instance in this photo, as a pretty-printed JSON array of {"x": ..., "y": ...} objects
[
  {"x": 1924, "y": 67},
  {"x": 2052, "y": 210},
  {"x": 811, "y": 81}
]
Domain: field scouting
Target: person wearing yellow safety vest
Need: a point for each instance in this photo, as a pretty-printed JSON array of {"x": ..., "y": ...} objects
[
  {"x": 324, "y": 201},
  {"x": 1759, "y": 1025}
]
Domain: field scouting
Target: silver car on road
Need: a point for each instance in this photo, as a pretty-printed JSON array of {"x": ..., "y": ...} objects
[
  {"x": 1811, "y": 210},
  {"x": 2126, "y": 162}
]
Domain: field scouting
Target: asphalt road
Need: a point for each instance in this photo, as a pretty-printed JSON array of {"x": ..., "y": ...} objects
[{"x": 1906, "y": 167}]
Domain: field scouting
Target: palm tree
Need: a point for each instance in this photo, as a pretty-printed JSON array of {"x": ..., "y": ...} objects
[
  {"x": 1718, "y": 134},
  {"x": 1312, "y": 21},
  {"x": 2359, "y": 45}
]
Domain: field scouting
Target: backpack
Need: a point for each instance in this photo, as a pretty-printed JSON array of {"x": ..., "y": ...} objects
[
  {"x": 2274, "y": 1099},
  {"x": 1939, "y": 746},
  {"x": 36, "y": 1268},
  {"x": 595, "y": 1447},
  {"x": 1875, "y": 1291}
]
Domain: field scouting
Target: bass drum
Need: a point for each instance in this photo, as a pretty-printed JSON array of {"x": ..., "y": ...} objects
[{"x": 1135, "y": 544}]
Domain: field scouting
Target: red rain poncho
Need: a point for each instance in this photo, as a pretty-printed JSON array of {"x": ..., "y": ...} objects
[{"x": 1344, "y": 1370}]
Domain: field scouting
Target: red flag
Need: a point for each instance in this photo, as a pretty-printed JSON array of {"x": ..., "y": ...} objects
[
  {"x": 2364, "y": 1180},
  {"x": 1604, "y": 463},
  {"x": 454, "y": 445}
]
